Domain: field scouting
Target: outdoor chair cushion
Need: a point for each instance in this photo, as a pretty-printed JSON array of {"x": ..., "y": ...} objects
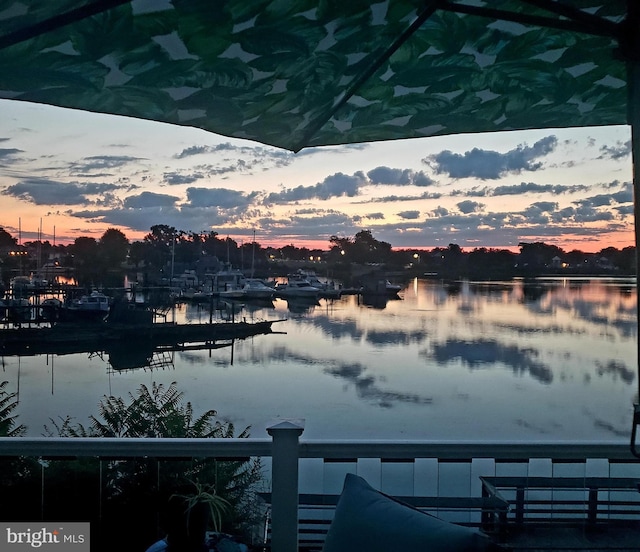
[{"x": 369, "y": 521}]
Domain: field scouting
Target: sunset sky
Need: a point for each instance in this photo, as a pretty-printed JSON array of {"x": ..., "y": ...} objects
[{"x": 73, "y": 174}]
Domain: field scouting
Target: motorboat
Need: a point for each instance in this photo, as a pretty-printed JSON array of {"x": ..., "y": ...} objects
[
  {"x": 92, "y": 307},
  {"x": 232, "y": 293},
  {"x": 328, "y": 290},
  {"x": 226, "y": 279},
  {"x": 255, "y": 288},
  {"x": 95, "y": 301},
  {"x": 297, "y": 286}
]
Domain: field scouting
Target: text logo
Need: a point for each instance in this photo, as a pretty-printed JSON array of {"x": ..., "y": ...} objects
[{"x": 60, "y": 536}]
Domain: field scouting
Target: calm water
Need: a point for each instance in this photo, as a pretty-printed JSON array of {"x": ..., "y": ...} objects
[{"x": 551, "y": 360}]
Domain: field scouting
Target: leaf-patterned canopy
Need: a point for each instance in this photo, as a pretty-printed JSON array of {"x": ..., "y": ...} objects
[{"x": 298, "y": 73}]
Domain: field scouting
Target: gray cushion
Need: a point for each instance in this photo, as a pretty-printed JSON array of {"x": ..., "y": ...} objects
[{"x": 368, "y": 520}]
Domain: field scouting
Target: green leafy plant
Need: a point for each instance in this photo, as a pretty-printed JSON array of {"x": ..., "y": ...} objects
[
  {"x": 8, "y": 403},
  {"x": 205, "y": 494},
  {"x": 19, "y": 479},
  {"x": 130, "y": 486}
]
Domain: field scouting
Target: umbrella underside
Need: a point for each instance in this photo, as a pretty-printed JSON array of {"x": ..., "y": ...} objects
[{"x": 305, "y": 73}]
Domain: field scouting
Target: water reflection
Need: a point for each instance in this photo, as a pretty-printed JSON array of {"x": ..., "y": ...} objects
[
  {"x": 302, "y": 305},
  {"x": 488, "y": 353},
  {"x": 369, "y": 388},
  {"x": 554, "y": 358}
]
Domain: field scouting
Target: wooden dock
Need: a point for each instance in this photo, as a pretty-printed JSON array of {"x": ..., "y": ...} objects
[{"x": 62, "y": 338}]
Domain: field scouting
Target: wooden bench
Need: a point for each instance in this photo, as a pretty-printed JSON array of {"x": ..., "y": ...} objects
[
  {"x": 315, "y": 513},
  {"x": 557, "y": 499}
]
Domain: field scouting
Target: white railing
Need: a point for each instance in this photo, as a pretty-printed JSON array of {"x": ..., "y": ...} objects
[{"x": 288, "y": 453}]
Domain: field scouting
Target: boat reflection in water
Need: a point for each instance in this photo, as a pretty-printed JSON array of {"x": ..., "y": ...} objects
[
  {"x": 146, "y": 356},
  {"x": 129, "y": 331},
  {"x": 301, "y": 305}
]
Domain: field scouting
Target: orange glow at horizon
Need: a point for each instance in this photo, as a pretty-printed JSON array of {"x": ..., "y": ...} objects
[{"x": 28, "y": 230}]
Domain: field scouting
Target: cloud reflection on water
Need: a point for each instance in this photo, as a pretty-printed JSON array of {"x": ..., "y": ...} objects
[
  {"x": 368, "y": 387},
  {"x": 486, "y": 353}
]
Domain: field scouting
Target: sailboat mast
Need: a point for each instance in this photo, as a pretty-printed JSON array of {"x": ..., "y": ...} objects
[{"x": 253, "y": 253}]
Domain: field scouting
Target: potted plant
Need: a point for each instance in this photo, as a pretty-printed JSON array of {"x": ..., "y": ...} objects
[
  {"x": 203, "y": 498},
  {"x": 191, "y": 512}
]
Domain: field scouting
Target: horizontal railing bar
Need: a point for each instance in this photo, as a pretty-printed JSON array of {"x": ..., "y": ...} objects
[
  {"x": 174, "y": 448},
  {"x": 464, "y": 450},
  {"x": 112, "y": 447}
]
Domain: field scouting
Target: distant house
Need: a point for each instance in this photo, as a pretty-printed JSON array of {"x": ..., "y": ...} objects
[{"x": 556, "y": 262}]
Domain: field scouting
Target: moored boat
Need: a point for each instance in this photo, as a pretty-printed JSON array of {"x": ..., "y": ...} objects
[
  {"x": 92, "y": 307},
  {"x": 328, "y": 290},
  {"x": 255, "y": 288},
  {"x": 296, "y": 286},
  {"x": 227, "y": 279}
]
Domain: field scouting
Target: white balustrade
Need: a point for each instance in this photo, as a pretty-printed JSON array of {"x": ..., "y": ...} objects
[{"x": 318, "y": 466}]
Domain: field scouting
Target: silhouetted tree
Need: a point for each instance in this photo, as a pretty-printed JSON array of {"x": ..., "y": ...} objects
[
  {"x": 86, "y": 261},
  {"x": 6, "y": 239},
  {"x": 114, "y": 248},
  {"x": 366, "y": 249},
  {"x": 538, "y": 256},
  {"x": 161, "y": 241}
]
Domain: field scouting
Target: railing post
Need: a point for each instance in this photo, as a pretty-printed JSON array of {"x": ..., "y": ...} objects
[{"x": 284, "y": 485}]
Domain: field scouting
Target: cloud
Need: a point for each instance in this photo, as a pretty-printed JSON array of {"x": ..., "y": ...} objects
[
  {"x": 409, "y": 215},
  {"x": 340, "y": 185},
  {"x": 541, "y": 207},
  {"x": 625, "y": 210},
  {"x": 625, "y": 195},
  {"x": 239, "y": 159},
  {"x": 469, "y": 206},
  {"x": 51, "y": 192},
  {"x": 491, "y": 165},
  {"x": 218, "y": 197},
  {"x": 375, "y": 216},
  {"x": 140, "y": 219},
  {"x": 200, "y": 150},
  {"x": 398, "y": 177},
  {"x": 440, "y": 212},
  {"x": 150, "y": 199},
  {"x": 336, "y": 185},
  {"x": 619, "y": 151},
  {"x": 398, "y": 198},
  {"x": 386, "y": 175},
  {"x": 422, "y": 179},
  {"x": 586, "y": 213},
  {"x": 101, "y": 163},
  {"x": 8, "y": 152},
  {"x": 175, "y": 178},
  {"x": 532, "y": 188},
  {"x": 322, "y": 225}
]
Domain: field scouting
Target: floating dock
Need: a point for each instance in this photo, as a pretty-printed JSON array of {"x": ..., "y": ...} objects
[{"x": 62, "y": 338}]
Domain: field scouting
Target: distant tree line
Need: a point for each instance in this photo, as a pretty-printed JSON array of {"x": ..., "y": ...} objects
[{"x": 166, "y": 251}]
